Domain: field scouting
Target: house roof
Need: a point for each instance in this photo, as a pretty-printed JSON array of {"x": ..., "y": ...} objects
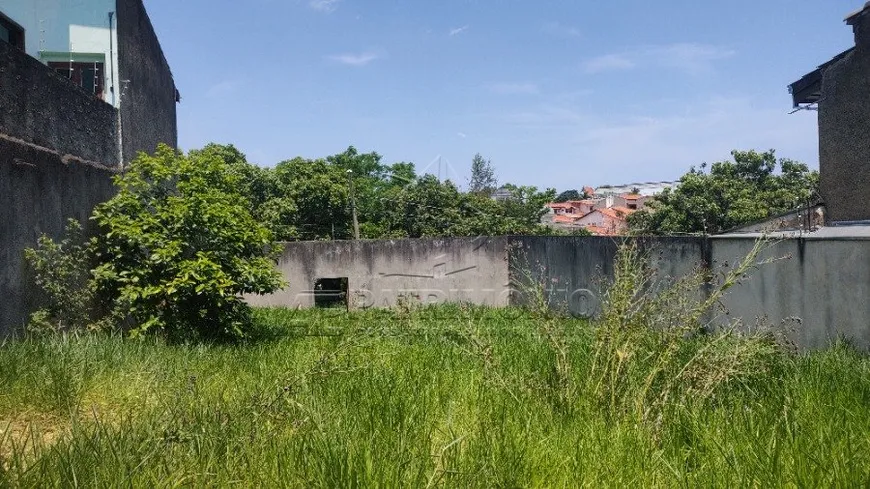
[
  {"x": 559, "y": 205},
  {"x": 631, "y": 196},
  {"x": 808, "y": 90},
  {"x": 567, "y": 219}
]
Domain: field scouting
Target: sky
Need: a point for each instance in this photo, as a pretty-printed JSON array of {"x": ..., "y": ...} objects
[{"x": 556, "y": 94}]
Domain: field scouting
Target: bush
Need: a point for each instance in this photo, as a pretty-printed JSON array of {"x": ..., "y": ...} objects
[
  {"x": 63, "y": 273},
  {"x": 179, "y": 247}
]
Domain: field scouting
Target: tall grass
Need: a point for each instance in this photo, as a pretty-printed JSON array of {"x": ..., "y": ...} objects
[{"x": 450, "y": 396}]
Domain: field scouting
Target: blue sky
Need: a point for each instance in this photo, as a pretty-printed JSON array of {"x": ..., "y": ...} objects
[{"x": 557, "y": 93}]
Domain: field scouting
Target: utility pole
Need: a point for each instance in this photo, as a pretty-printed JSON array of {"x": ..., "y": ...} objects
[{"x": 353, "y": 205}]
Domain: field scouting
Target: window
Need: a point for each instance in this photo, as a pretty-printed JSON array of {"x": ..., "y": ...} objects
[
  {"x": 90, "y": 75},
  {"x": 330, "y": 292},
  {"x": 11, "y": 33}
]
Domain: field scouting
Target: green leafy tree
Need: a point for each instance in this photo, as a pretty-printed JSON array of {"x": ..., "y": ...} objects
[
  {"x": 568, "y": 195},
  {"x": 319, "y": 192},
  {"x": 179, "y": 247},
  {"x": 732, "y": 193},
  {"x": 483, "y": 180}
]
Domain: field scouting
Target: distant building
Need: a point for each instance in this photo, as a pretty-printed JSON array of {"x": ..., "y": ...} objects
[
  {"x": 606, "y": 222},
  {"x": 502, "y": 194},
  {"x": 647, "y": 189},
  {"x": 840, "y": 90}
]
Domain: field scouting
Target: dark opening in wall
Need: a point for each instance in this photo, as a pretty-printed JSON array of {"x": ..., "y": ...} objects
[{"x": 330, "y": 292}]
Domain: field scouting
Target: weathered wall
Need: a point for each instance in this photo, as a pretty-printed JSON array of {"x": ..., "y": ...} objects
[
  {"x": 844, "y": 138},
  {"x": 816, "y": 290},
  {"x": 824, "y": 281},
  {"x": 572, "y": 272},
  {"x": 380, "y": 273},
  {"x": 39, "y": 191},
  {"x": 56, "y": 146},
  {"x": 41, "y": 107},
  {"x": 147, "y": 89}
]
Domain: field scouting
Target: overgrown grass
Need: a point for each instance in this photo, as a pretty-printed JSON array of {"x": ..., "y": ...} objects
[{"x": 449, "y": 396}]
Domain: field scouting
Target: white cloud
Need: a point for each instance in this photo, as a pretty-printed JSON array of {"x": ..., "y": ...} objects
[
  {"x": 560, "y": 30},
  {"x": 690, "y": 58},
  {"x": 327, "y": 6},
  {"x": 222, "y": 89},
  {"x": 356, "y": 59},
  {"x": 608, "y": 62},
  {"x": 642, "y": 147},
  {"x": 515, "y": 88},
  {"x": 458, "y": 30},
  {"x": 462, "y": 135}
]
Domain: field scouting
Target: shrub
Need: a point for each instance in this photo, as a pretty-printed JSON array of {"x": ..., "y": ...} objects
[
  {"x": 63, "y": 274},
  {"x": 179, "y": 247}
]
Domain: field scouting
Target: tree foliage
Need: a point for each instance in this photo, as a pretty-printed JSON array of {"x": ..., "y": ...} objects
[
  {"x": 179, "y": 245},
  {"x": 730, "y": 194},
  {"x": 568, "y": 195},
  {"x": 303, "y": 199},
  {"x": 483, "y": 180}
]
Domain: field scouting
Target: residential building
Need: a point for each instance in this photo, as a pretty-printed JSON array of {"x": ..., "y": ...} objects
[
  {"x": 606, "y": 222},
  {"x": 840, "y": 90},
  {"x": 109, "y": 50}
]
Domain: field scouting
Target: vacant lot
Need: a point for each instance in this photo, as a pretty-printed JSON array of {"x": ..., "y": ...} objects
[{"x": 447, "y": 396}]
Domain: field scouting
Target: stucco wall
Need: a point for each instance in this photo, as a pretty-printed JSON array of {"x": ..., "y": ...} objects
[
  {"x": 43, "y": 108},
  {"x": 844, "y": 132},
  {"x": 381, "y": 273},
  {"x": 56, "y": 146},
  {"x": 148, "y": 113},
  {"x": 39, "y": 191}
]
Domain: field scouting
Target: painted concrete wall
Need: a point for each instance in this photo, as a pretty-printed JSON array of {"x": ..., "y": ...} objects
[
  {"x": 844, "y": 131},
  {"x": 55, "y": 27},
  {"x": 382, "y": 273}
]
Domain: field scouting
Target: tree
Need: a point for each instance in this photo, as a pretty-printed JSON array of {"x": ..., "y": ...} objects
[
  {"x": 733, "y": 193},
  {"x": 483, "y": 180},
  {"x": 568, "y": 195},
  {"x": 179, "y": 247}
]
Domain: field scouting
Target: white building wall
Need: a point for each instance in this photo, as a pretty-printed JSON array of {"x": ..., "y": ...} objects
[{"x": 70, "y": 30}]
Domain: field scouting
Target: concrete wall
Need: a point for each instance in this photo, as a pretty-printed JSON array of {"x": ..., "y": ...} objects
[
  {"x": 39, "y": 190},
  {"x": 814, "y": 290},
  {"x": 844, "y": 131},
  {"x": 382, "y": 273},
  {"x": 573, "y": 272},
  {"x": 148, "y": 115},
  {"x": 43, "y": 108},
  {"x": 57, "y": 145}
]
